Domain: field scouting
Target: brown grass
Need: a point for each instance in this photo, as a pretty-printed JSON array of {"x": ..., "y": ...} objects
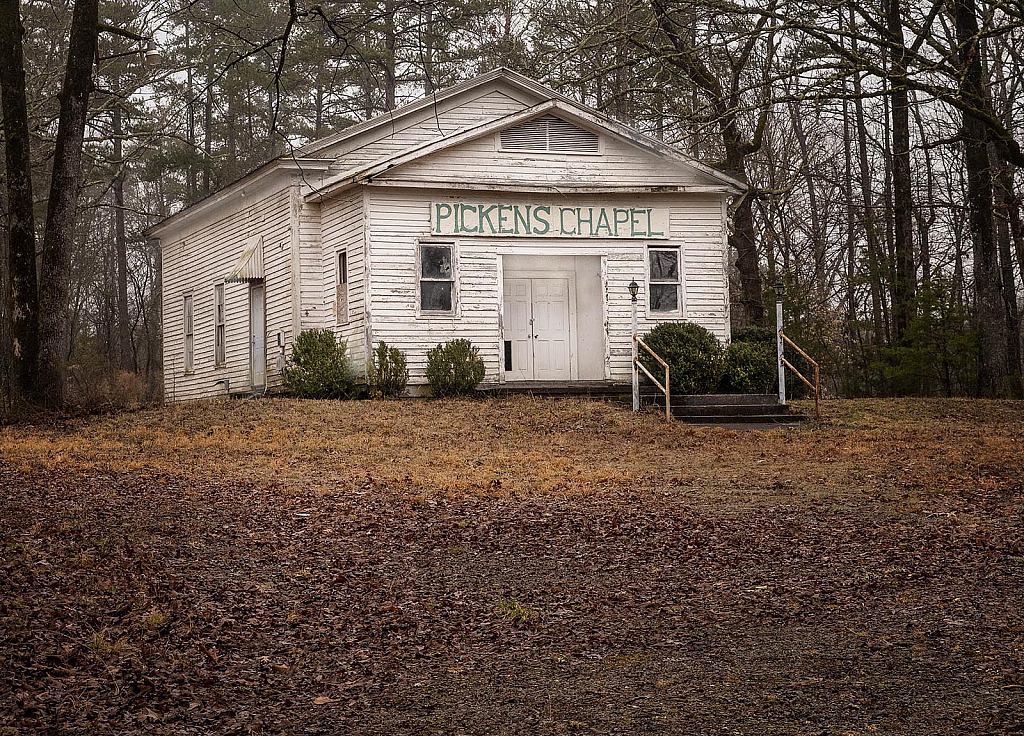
[
  {"x": 512, "y": 566},
  {"x": 529, "y": 447}
]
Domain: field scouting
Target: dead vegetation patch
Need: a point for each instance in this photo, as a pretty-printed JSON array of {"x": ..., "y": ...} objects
[{"x": 512, "y": 566}]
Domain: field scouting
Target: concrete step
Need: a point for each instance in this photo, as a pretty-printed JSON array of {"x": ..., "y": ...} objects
[
  {"x": 727, "y": 410},
  {"x": 720, "y": 399},
  {"x": 774, "y": 418},
  {"x": 603, "y": 389}
]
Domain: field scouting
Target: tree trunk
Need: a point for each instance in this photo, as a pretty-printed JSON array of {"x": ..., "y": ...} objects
[
  {"x": 870, "y": 222},
  {"x": 20, "y": 310},
  {"x": 989, "y": 310},
  {"x": 208, "y": 134},
  {"x": 7, "y": 378},
  {"x": 817, "y": 241},
  {"x": 427, "y": 43},
  {"x": 125, "y": 355},
  {"x": 390, "y": 52},
  {"x": 904, "y": 290},
  {"x": 925, "y": 223},
  {"x": 65, "y": 187},
  {"x": 851, "y": 234},
  {"x": 1004, "y": 239},
  {"x": 735, "y": 146}
]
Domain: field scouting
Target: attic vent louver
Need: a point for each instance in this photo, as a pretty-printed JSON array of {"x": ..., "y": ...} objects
[{"x": 548, "y": 133}]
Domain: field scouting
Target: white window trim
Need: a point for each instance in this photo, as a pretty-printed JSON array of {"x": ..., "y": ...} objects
[
  {"x": 342, "y": 319},
  {"x": 188, "y": 314},
  {"x": 680, "y": 312},
  {"x": 219, "y": 325},
  {"x": 431, "y": 314}
]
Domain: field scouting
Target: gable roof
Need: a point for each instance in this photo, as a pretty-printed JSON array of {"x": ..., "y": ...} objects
[
  {"x": 551, "y": 101},
  {"x": 565, "y": 108},
  {"x": 305, "y": 157}
]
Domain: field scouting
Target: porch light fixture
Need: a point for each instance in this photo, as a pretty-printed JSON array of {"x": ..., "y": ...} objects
[
  {"x": 633, "y": 289},
  {"x": 152, "y": 54}
]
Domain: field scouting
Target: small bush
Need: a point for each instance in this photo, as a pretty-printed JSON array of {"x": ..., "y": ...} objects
[
  {"x": 694, "y": 356},
  {"x": 454, "y": 368},
  {"x": 94, "y": 384},
  {"x": 318, "y": 367},
  {"x": 388, "y": 372},
  {"x": 766, "y": 336},
  {"x": 750, "y": 368},
  {"x": 758, "y": 335}
]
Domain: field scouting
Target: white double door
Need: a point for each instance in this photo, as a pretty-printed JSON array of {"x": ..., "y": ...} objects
[{"x": 536, "y": 323}]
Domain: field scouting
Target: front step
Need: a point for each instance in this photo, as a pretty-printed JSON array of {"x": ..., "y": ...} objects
[
  {"x": 727, "y": 409},
  {"x": 719, "y": 399},
  {"x": 597, "y": 389},
  {"x": 691, "y": 409},
  {"x": 777, "y": 418}
]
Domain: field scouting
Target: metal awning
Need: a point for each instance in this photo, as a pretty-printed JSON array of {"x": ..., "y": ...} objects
[{"x": 249, "y": 266}]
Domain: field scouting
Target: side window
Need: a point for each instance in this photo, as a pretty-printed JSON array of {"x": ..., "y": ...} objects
[
  {"x": 218, "y": 320},
  {"x": 188, "y": 334},
  {"x": 437, "y": 278},
  {"x": 664, "y": 280},
  {"x": 341, "y": 297}
]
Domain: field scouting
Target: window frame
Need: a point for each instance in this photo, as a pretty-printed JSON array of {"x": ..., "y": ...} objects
[
  {"x": 680, "y": 309},
  {"x": 220, "y": 336},
  {"x": 188, "y": 314},
  {"x": 454, "y": 280},
  {"x": 341, "y": 276}
]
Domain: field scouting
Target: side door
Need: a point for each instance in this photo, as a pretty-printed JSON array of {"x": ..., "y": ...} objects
[{"x": 257, "y": 334}]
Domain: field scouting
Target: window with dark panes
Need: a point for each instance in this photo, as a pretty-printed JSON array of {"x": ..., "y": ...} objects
[
  {"x": 189, "y": 335},
  {"x": 218, "y": 321},
  {"x": 664, "y": 279},
  {"x": 341, "y": 297},
  {"x": 437, "y": 278}
]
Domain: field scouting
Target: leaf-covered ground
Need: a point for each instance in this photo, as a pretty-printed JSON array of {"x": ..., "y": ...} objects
[{"x": 512, "y": 566}]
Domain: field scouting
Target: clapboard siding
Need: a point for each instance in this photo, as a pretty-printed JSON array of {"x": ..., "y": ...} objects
[
  {"x": 195, "y": 263},
  {"x": 400, "y": 219},
  {"x": 386, "y": 141},
  {"x": 342, "y": 223},
  {"x": 314, "y": 307},
  {"x": 480, "y": 161}
]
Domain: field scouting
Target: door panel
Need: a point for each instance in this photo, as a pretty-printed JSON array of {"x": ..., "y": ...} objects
[
  {"x": 551, "y": 329},
  {"x": 257, "y": 335},
  {"x": 517, "y": 328}
]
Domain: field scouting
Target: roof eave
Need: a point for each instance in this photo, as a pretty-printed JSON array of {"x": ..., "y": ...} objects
[{"x": 282, "y": 163}]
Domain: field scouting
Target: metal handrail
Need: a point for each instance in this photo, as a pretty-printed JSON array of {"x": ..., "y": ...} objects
[
  {"x": 816, "y": 386},
  {"x": 666, "y": 388}
]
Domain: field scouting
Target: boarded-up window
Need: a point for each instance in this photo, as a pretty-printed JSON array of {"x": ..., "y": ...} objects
[
  {"x": 342, "y": 291},
  {"x": 218, "y": 319},
  {"x": 550, "y": 134},
  {"x": 188, "y": 334},
  {"x": 664, "y": 279},
  {"x": 437, "y": 278}
]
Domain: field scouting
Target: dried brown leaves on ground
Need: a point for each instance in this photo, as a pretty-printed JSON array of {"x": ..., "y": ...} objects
[{"x": 516, "y": 566}]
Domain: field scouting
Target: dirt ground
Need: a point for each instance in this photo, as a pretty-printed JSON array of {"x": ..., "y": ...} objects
[{"x": 518, "y": 566}]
